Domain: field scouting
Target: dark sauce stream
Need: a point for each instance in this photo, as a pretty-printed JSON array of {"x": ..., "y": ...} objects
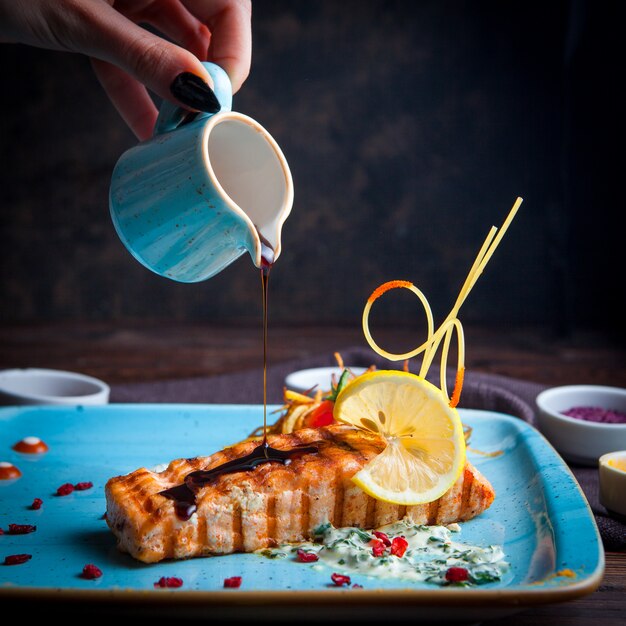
[{"x": 184, "y": 496}]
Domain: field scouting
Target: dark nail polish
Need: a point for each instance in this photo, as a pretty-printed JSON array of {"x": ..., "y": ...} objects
[{"x": 192, "y": 91}]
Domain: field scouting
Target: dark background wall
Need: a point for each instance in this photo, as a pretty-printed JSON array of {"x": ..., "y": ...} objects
[{"x": 410, "y": 128}]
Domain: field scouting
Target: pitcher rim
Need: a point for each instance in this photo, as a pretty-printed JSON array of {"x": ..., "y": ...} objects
[{"x": 285, "y": 210}]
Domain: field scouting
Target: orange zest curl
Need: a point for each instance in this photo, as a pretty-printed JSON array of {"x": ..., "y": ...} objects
[
  {"x": 392, "y": 284},
  {"x": 458, "y": 386},
  {"x": 441, "y": 337}
]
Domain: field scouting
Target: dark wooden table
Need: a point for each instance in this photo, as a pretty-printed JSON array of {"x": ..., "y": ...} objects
[{"x": 133, "y": 352}]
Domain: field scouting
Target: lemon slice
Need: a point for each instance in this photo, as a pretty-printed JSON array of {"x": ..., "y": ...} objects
[{"x": 425, "y": 451}]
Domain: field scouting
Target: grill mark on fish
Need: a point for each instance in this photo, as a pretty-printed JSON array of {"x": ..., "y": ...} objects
[
  {"x": 433, "y": 509},
  {"x": 271, "y": 515},
  {"x": 401, "y": 511},
  {"x": 202, "y": 530},
  {"x": 339, "y": 494},
  {"x": 237, "y": 528},
  {"x": 467, "y": 489},
  {"x": 305, "y": 503},
  {"x": 370, "y": 513}
]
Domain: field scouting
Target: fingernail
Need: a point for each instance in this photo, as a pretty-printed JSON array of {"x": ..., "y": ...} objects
[{"x": 192, "y": 91}]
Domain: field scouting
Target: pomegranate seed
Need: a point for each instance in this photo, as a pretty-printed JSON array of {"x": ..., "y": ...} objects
[
  {"x": 170, "y": 582},
  {"x": 17, "y": 559},
  {"x": 378, "y": 547},
  {"x": 399, "y": 546},
  {"x": 83, "y": 486},
  {"x": 340, "y": 580},
  {"x": 234, "y": 582},
  {"x": 21, "y": 529},
  {"x": 36, "y": 505},
  {"x": 65, "y": 490},
  {"x": 357, "y": 586},
  {"x": 383, "y": 537},
  {"x": 1, "y": 531},
  {"x": 307, "y": 557},
  {"x": 90, "y": 572},
  {"x": 457, "y": 574}
]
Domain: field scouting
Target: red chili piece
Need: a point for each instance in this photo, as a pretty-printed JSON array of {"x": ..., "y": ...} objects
[
  {"x": 65, "y": 489},
  {"x": 378, "y": 547},
  {"x": 307, "y": 557},
  {"x": 340, "y": 580},
  {"x": 171, "y": 582},
  {"x": 90, "y": 571},
  {"x": 383, "y": 537},
  {"x": 21, "y": 529},
  {"x": 234, "y": 582},
  {"x": 83, "y": 486},
  {"x": 457, "y": 574},
  {"x": 321, "y": 416},
  {"x": 36, "y": 505},
  {"x": 17, "y": 559},
  {"x": 399, "y": 546}
]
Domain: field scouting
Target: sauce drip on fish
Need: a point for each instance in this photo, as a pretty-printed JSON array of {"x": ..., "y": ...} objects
[{"x": 184, "y": 495}]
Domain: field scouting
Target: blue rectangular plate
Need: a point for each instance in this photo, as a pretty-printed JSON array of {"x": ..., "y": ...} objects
[{"x": 540, "y": 516}]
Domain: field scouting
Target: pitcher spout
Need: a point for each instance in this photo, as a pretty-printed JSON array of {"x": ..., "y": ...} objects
[{"x": 263, "y": 246}]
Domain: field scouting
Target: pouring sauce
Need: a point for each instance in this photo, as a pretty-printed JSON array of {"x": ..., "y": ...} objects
[{"x": 184, "y": 496}]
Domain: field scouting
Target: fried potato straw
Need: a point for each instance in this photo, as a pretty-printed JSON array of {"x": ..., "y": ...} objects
[{"x": 450, "y": 324}]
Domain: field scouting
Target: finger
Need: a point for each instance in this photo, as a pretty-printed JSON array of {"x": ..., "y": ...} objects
[
  {"x": 96, "y": 29},
  {"x": 231, "y": 38},
  {"x": 174, "y": 20},
  {"x": 129, "y": 97}
]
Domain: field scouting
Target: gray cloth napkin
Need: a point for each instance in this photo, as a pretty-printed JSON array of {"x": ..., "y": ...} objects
[{"x": 480, "y": 391}]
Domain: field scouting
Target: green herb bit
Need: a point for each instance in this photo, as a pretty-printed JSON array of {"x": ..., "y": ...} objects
[
  {"x": 343, "y": 381},
  {"x": 322, "y": 529},
  {"x": 483, "y": 577},
  {"x": 272, "y": 554},
  {"x": 362, "y": 535}
]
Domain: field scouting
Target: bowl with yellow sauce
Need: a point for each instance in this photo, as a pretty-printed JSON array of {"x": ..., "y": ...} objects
[{"x": 612, "y": 468}]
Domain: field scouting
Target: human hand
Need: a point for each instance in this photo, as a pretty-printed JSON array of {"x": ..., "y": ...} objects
[{"x": 128, "y": 59}]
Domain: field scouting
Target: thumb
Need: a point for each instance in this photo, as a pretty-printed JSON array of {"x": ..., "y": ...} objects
[{"x": 168, "y": 70}]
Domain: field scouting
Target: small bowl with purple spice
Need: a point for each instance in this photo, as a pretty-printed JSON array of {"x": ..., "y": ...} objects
[{"x": 583, "y": 422}]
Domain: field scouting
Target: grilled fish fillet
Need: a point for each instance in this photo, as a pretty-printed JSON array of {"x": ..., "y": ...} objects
[{"x": 273, "y": 503}]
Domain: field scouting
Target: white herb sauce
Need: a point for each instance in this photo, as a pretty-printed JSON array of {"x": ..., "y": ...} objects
[{"x": 430, "y": 553}]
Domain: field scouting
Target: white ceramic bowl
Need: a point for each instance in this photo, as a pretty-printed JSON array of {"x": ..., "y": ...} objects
[
  {"x": 578, "y": 440},
  {"x": 45, "y": 386},
  {"x": 612, "y": 469},
  {"x": 318, "y": 377}
]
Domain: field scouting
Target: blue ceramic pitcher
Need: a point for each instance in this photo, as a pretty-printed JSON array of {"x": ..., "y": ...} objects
[{"x": 199, "y": 194}]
